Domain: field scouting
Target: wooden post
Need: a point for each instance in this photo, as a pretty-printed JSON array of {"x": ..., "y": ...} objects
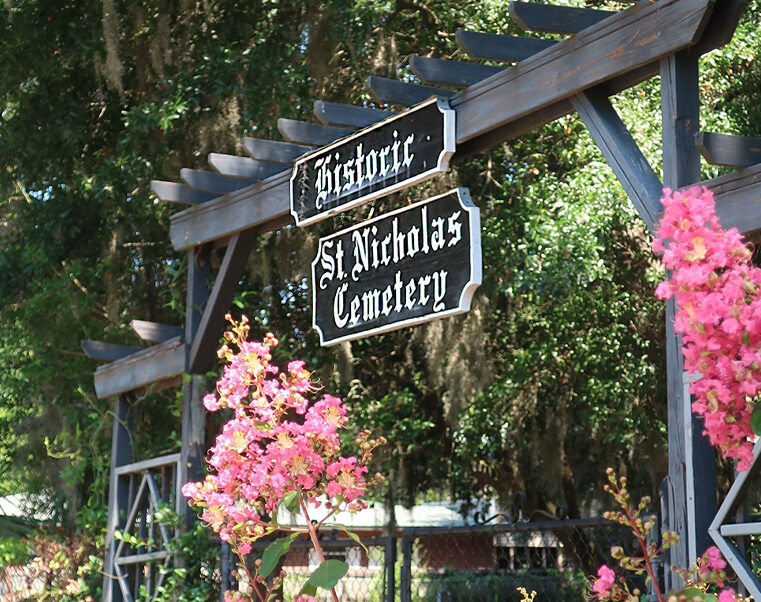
[
  {"x": 692, "y": 464},
  {"x": 118, "y": 496},
  {"x": 193, "y": 412}
]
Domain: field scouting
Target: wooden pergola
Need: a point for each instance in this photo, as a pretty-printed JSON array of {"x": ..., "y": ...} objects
[{"x": 602, "y": 54}]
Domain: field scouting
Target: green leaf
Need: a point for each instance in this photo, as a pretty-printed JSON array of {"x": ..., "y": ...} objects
[
  {"x": 755, "y": 419},
  {"x": 353, "y": 536},
  {"x": 308, "y": 590},
  {"x": 692, "y": 592},
  {"x": 291, "y": 501},
  {"x": 276, "y": 550},
  {"x": 328, "y": 573}
]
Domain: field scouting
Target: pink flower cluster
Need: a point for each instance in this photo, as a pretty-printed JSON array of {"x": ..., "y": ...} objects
[
  {"x": 604, "y": 582},
  {"x": 277, "y": 443},
  {"x": 718, "y": 294}
]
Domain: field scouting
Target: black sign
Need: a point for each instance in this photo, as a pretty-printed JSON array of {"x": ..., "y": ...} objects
[
  {"x": 406, "y": 267},
  {"x": 380, "y": 159}
]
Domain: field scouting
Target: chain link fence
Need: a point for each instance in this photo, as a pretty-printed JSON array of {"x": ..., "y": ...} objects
[{"x": 472, "y": 563}]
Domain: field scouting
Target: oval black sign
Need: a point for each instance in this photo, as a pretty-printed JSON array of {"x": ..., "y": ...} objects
[
  {"x": 380, "y": 159},
  {"x": 409, "y": 266}
]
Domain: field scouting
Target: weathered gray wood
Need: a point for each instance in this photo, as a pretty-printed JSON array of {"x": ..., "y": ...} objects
[
  {"x": 274, "y": 150},
  {"x": 401, "y": 93},
  {"x": 211, "y": 325},
  {"x": 621, "y": 152},
  {"x": 722, "y": 24},
  {"x": 449, "y": 73},
  {"x": 551, "y": 18},
  {"x": 155, "y": 332},
  {"x": 197, "y": 294},
  {"x": 141, "y": 369},
  {"x": 738, "y": 199},
  {"x": 142, "y": 558},
  {"x": 621, "y": 51},
  {"x": 495, "y": 47},
  {"x": 692, "y": 462},
  {"x": 192, "y": 446},
  {"x": 108, "y": 352},
  {"x": 616, "y": 46},
  {"x": 264, "y": 205},
  {"x": 210, "y": 181},
  {"x": 303, "y": 132},
  {"x": 729, "y": 150},
  {"x": 135, "y": 467},
  {"x": 118, "y": 495},
  {"x": 334, "y": 113},
  {"x": 176, "y": 192},
  {"x": 243, "y": 167}
]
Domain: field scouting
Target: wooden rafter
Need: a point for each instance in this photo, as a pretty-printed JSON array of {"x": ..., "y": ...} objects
[
  {"x": 550, "y": 18},
  {"x": 402, "y": 93},
  {"x": 175, "y": 192},
  {"x": 304, "y": 132},
  {"x": 495, "y": 47},
  {"x": 334, "y": 113},
  {"x": 449, "y": 73},
  {"x": 108, "y": 352},
  {"x": 729, "y": 150},
  {"x": 210, "y": 181},
  {"x": 155, "y": 332},
  {"x": 274, "y": 150}
]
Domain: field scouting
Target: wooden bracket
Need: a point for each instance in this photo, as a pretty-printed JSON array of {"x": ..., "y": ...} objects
[{"x": 621, "y": 152}]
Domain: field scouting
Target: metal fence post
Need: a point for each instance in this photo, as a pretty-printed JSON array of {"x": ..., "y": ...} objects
[
  {"x": 405, "y": 594},
  {"x": 390, "y": 554}
]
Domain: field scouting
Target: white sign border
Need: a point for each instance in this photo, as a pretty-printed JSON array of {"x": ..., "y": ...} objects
[
  {"x": 466, "y": 297},
  {"x": 442, "y": 165}
]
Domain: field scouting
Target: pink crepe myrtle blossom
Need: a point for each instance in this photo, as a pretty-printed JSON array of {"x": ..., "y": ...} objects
[
  {"x": 282, "y": 441},
  {"x": 718, "y": 295},
  {"x": 605, "y": 579}
]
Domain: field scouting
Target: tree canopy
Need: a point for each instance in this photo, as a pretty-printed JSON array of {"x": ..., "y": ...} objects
[{"x": 558, "y": 370}]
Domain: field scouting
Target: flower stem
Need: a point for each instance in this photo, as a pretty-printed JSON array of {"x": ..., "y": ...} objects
[{"x": 315, "y": 540}]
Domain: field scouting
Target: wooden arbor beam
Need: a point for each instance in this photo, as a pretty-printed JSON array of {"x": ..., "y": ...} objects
[
  {"x": 622, "y": 50},
  {"x": 628, "y": 44},
  {"x": 151, "y": 366}
]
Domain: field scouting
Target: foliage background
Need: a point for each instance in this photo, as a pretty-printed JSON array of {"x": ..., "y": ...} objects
[{"x": 556, "y": 372}]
